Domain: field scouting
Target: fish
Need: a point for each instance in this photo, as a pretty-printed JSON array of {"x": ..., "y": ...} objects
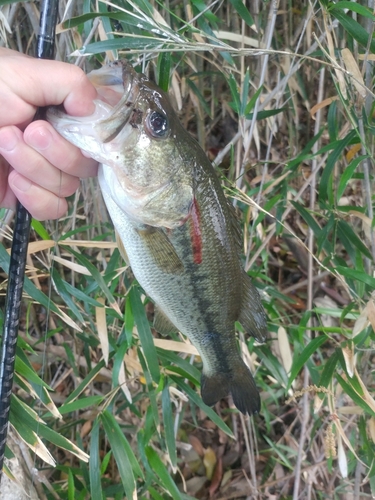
[{"x": 177, "y": 230}]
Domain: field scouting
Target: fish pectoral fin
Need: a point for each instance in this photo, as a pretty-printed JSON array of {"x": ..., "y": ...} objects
[
  {"x": 162, "y": 250},
  {"x": 239, "y": 382},
  {"x": 252, "y": 316},
  {"x": 121, "y": 248},
  {"x": 162, "y": 323}
]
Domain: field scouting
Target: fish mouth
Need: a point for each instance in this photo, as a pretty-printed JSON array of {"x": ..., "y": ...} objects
[
  {"x": 125, "y": 111},
  {"x": 116, "y": 106}
]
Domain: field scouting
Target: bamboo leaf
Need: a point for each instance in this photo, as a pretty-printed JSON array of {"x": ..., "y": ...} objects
[
  {"x": 145, "y": 334},
  {"x": 97, "y": 276},
  {"x": 169, "y": 427},
  {"x": 303, "y": 357},
  {"x": 126, "y": 462},
  {"x": 324, "y": 188},
  {"x": 164, "y": 70},
  {"x": 199, "y": 402},
  {"x": 353, "y": 28},
  {"x": 351, "y": 392},
  {"x": 94, "y": 464},
  {"x": 243, "y": 12},
  {"x": 356, "y": 275},
  {"x": 355, "y": 7},
  {"x": 34, "y": 293},
  {"x": 161, "y": 471},
  {"x": 329, "y": 369}
]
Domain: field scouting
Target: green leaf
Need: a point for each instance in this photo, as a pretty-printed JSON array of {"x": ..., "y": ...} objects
[
  {"x": 348, "y": 174},
  {"x": 346, "y": 385},
  {"x": 356, "y": 275},
  {"x": 168, "y": 426},
  {"x": 30, "y": 288},
  {"x": 94, "y": 464},
  {"x": 164, "y": 70},
  {"x": 245, "y": 91},
  {"x": 328, "y": 370},
  {"x": 346, "y": 233},
  {"x": 29, "y": 373},
  {"x": 129, "y": 322},
  {"x": 301, "y": 359},
  {"x": 40, "y": 229},
  {"x": 62, "y": 291},
  {"x": 250, "y": 105},
  {"x": 199, "y": 95},
  {"x": 109, "y": 420},
  {"x": 145, "y": 334},
  {"x": 79, "y": 295},
  {"x": 138, "y": 43},
  {"x": 122, "y": 460},
  {"x": 261, "y": 115},
  {"x": 94, "y": 273},
  {"x": 324, "y": 188},
  {"x": 161, "y": 471},
  {"x": 199, "y": 402},
  {"x": 243, "y": 12},
  {"x": 126, "y": 462},
  {"x": 183, "y": 367},
  {"x": 273, "y": 365},
  {"x": 353, "y": 28},
  {"x": 355, "y": 7},
  {"x": 85, "y": 382},
  {"x": 20, "y": 408},
  {"x": 71, "y": 488},
  {"x": 235, "y": 93},
  {"x": 80, "y": 404}
]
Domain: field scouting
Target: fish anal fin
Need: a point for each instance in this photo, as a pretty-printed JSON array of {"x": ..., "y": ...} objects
[
  {"x": 214, "y": 387},
  {"x": 252, "y": 315},
  {"x": 239, "y": 383},
  {"x": 161, "y": 248},
  {"x": 162, "y": 323},
  {"x": 121, "y": 248}
]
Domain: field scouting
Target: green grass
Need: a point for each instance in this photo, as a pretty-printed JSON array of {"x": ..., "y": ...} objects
[{"x": 288, "y": 119}]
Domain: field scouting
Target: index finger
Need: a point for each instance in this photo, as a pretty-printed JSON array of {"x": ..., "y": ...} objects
[{"x": 28, "y": 83}]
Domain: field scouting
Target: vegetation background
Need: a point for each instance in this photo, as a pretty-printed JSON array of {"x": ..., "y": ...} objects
[{"x": 279, "y": 94}]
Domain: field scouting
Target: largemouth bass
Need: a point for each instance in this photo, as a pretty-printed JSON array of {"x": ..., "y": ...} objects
[{"x": 179, "y": 232}]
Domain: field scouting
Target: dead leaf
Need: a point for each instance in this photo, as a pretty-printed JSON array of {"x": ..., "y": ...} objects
[
  {"x": 101, "y": 324},
  {"x": 353, "y": 69},
  {"x": 209, "y": 461},
  {"x": 216, "y": 478},
  {"x": 322, "y": 104},
  {"x": 197, "y": 445}
]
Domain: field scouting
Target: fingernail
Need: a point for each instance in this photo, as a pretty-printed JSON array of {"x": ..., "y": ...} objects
[
  {"x": 39, "y": 139},
  {"x": 20, "y": 183},
  {"x": 8, "y": 140}
]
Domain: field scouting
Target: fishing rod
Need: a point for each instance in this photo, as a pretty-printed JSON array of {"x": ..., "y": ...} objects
[{"x": 44, "y": 50}]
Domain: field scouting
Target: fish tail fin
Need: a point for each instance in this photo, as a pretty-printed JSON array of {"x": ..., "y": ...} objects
[{"x": 239, "y": 383}]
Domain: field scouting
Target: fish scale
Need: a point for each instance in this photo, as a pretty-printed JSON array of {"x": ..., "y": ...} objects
[{"x": 178, "y": 230}]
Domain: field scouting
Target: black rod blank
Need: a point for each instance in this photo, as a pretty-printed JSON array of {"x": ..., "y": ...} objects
[{"x": 44, "y": 50}]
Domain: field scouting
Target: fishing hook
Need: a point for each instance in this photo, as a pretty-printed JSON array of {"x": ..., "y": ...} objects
[{"x": 44, "y": 50}]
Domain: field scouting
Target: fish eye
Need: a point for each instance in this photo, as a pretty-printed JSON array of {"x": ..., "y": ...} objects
[{"x": 157, "y": 125}]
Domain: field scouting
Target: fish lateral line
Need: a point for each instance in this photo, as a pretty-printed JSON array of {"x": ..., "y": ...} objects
[{"x": 195, "y": 232}]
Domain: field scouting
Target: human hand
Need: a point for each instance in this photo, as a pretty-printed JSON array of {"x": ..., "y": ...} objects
[{"x": 37, "y": 165}]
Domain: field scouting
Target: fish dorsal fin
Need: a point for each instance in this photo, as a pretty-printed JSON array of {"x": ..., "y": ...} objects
[
  {"x": 121, "y": 248},
  {"x": 162, "y": 324},
  {"x": 252, "y": 316},
  {"x": 161, "y": 249}
]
